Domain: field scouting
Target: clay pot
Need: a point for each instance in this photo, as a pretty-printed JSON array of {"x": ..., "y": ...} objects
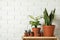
[
  {"x": 31, "y": 34},
  {"x": 48, "y": 30},
  {"x": 26, "y": 34},
  {"x": 41, "y": 33},
  {"x": 36, "y": 31}
]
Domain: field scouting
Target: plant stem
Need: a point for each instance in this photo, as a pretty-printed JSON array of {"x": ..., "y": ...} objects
[{"x": 35, "y": 26}]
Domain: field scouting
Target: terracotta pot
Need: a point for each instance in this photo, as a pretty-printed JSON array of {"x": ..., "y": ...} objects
[
  {"x": 48, "y": 30},
  {"x": 41, "y": 33},
  {"x": 31, "y": 34},
  {"x": 26, "y": 34},
  {"x": 36, "y": 31}
]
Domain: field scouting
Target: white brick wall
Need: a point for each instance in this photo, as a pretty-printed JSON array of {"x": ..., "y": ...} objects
[{"x": 14, "y": 16}]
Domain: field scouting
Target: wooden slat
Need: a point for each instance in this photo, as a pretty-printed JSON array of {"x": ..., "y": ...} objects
[{"x": 39, "y": 38}]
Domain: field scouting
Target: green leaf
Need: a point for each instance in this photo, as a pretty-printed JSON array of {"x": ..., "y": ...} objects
[
  {"x": 45, "y": 12},
  {"x": 38, "y": 17},
  {"x": 31, "y": 17},
  {"x": 48, "y": 18},
  {"x": 35, "y": 22},
  {"x": 51, "y": 16}
]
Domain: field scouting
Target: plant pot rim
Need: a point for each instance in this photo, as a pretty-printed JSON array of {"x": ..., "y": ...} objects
[
  {"x": 48, "y": 25},
  {"x": 35, "y": 28}
]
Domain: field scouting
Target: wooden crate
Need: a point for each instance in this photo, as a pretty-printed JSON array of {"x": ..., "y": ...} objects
[{"x": 40, "y": 38}]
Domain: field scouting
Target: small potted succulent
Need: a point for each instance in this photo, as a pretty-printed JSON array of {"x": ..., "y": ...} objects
[
  {"x": 35, "y": 22},
  {"x": 25, "y": 33},
  {"x": 48, "y": 27}
]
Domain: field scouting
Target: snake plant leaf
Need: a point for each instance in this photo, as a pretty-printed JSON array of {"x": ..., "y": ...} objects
[
  {"x": 46, "y": 17},
  {"x": 53, "y": 13},
  {"x": 49, "y": 18},
  {"x": 45, "y": 12}
]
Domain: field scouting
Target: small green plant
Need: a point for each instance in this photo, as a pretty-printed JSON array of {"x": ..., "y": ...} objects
[
  {"x": 48, "y": 18},
  {"x": 35, "y": 22}
]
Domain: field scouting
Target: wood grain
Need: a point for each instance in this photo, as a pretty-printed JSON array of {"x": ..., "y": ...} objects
[{"x": 39, "y": 38}]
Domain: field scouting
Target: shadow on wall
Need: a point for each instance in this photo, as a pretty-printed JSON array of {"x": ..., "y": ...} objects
[
  {"x": 57, "y": 28},
  {"x": 57, "y": 22}
]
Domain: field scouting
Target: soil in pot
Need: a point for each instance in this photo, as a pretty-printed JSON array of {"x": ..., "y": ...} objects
[{"x": 48, "y": 30}]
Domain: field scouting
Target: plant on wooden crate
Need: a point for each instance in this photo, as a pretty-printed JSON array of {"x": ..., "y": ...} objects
[
  {"x": 35, "y": 22},
  {"x": 48, "y": 28}
]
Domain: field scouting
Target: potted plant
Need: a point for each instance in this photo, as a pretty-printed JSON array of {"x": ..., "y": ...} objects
[
  {"x": 35, "y": 22},
  {"x": 48, "y": 28}
]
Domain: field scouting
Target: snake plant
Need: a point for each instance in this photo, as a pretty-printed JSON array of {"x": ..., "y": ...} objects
[
  {"x": 48, "y": 18},
  {"x": 35, "y": 22}
]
